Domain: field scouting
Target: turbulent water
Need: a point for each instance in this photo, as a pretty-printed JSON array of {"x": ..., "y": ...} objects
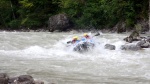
[{"x": 45, "y": 56}]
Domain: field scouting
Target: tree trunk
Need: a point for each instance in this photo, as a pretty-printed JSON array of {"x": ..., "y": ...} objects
[{"x": 12, "y": 10}]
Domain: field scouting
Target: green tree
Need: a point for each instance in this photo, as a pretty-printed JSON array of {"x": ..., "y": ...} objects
[
  {"x": 100, "y": 13},
  {"x": 35, "y": 13},
  {"x": 15, "y": 14}
]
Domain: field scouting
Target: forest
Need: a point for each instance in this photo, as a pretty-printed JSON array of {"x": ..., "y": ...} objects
[{"x": 33, "y": 14}]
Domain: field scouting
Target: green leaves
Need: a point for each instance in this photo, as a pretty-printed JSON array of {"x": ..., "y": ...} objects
[
  {"x": 97, "y": 13},
  {"x": 26, "y": 3},
  {"x": 14, "y": 24}
]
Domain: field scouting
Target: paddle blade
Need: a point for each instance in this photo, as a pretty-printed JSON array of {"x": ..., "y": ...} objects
[{"x": 69, "y": 42}]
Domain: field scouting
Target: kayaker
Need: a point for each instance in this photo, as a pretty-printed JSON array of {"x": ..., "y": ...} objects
[
  {"x": 75, "y": 40},
  {"x": 87, "y": 38}
]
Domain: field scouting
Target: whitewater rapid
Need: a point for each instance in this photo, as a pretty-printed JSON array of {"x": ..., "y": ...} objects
[{"x": 46, "y": 57}]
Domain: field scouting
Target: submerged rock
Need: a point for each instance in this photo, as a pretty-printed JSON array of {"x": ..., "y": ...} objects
[
  {"x": 130, "y": 47},
  {"x": 110, "y": 47}
]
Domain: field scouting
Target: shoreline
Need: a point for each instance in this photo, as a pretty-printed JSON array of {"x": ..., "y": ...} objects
[{"x": 75, "y": 30}]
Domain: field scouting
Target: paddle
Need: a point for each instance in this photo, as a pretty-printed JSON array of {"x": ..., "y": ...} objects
[
  {"x": 92, "y": 36},
  {"x": 69, "y": 42}
]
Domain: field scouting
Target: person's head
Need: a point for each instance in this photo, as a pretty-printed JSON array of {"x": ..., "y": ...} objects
[
  {"x": 86, "y": 35},
  {"x": 75, "y": 38}
]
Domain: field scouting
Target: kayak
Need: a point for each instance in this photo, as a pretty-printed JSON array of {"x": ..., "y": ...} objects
[{"x": 83, "y": 45}]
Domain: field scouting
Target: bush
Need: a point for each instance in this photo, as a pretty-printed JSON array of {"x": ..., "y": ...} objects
[
  {"x": 14, "y": 24},
  {"x": 31, "y": 23}
]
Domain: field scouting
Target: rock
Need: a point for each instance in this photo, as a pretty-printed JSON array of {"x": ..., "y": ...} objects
[
  {"x": 12, "y": 80},
  {"x": 120, "y": 27},
  {"x": 148, "y": 39},
  {"x": 134, "y": 36},
  {"x": 25, "y": 79},
  {"x": 140, "y": 43},
  {"x": 58, "y": 22},
  {"x": 3, "y": 78},
  {"x": 143, "y": 43},
  {"x": 128, "y": 39},
  {"x": 22, "y": 79},
  {"x": 130, "y": 47},
  {"x": 38, "y": 82},
  {"x": 145, "y": 28},
  {"x": 142, "y": 26},
  {"x": 110, "y": 47}
]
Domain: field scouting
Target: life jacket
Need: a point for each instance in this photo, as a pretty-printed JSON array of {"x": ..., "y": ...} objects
[
  {"x": 87, "y": 37},
  {"x": 75, "y": 41}
]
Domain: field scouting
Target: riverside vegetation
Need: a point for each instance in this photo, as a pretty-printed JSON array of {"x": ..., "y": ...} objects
[{"x": 83, "y": 14}]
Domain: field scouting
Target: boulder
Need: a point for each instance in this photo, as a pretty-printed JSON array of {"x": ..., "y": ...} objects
[
  {"x": 22, "y": 79},
  {"x": 3, "y": 78},
  {"x": 130, "y": 47},
  {"x": 25, "y": 79},
  {"x": 142, "y": 26},
  {"x": 140, "y": 43},
  {"x": 38, "y": 82},
  {"x": 12, "y": 80},
  {"x": 58, "y": 22},
  {"x": 148, "y": 39},
  {"x": 143, "y": 43},
  {"x": 110, "y": 47},
  {"x": 120, "y": 27},
  {"x": 128, "y": 39},
  {"x": 134, "y": 36}
]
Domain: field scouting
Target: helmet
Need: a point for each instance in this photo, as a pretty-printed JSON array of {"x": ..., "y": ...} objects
[
  {"x": 85, "y": 34},
  {"x": 75, "y": 37}
]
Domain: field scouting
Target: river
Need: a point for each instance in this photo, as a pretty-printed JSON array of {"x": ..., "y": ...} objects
[{"x": 44, "y": 56}]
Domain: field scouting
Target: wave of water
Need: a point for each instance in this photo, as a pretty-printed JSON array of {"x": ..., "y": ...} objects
[{"x": 46, "y": 57}]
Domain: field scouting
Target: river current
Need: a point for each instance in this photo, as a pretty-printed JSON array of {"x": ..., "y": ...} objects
[{"x": 45, "y": 56}]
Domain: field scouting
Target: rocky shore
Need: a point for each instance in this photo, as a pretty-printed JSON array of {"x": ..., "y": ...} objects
[
  {"x": 22, "y": 79},
  {"x": 62, "y": 23}
]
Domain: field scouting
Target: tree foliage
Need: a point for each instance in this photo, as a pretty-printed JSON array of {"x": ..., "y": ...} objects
[
  {"x": 105, "y": 12},
  {"x": 17, "y": 14}
]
